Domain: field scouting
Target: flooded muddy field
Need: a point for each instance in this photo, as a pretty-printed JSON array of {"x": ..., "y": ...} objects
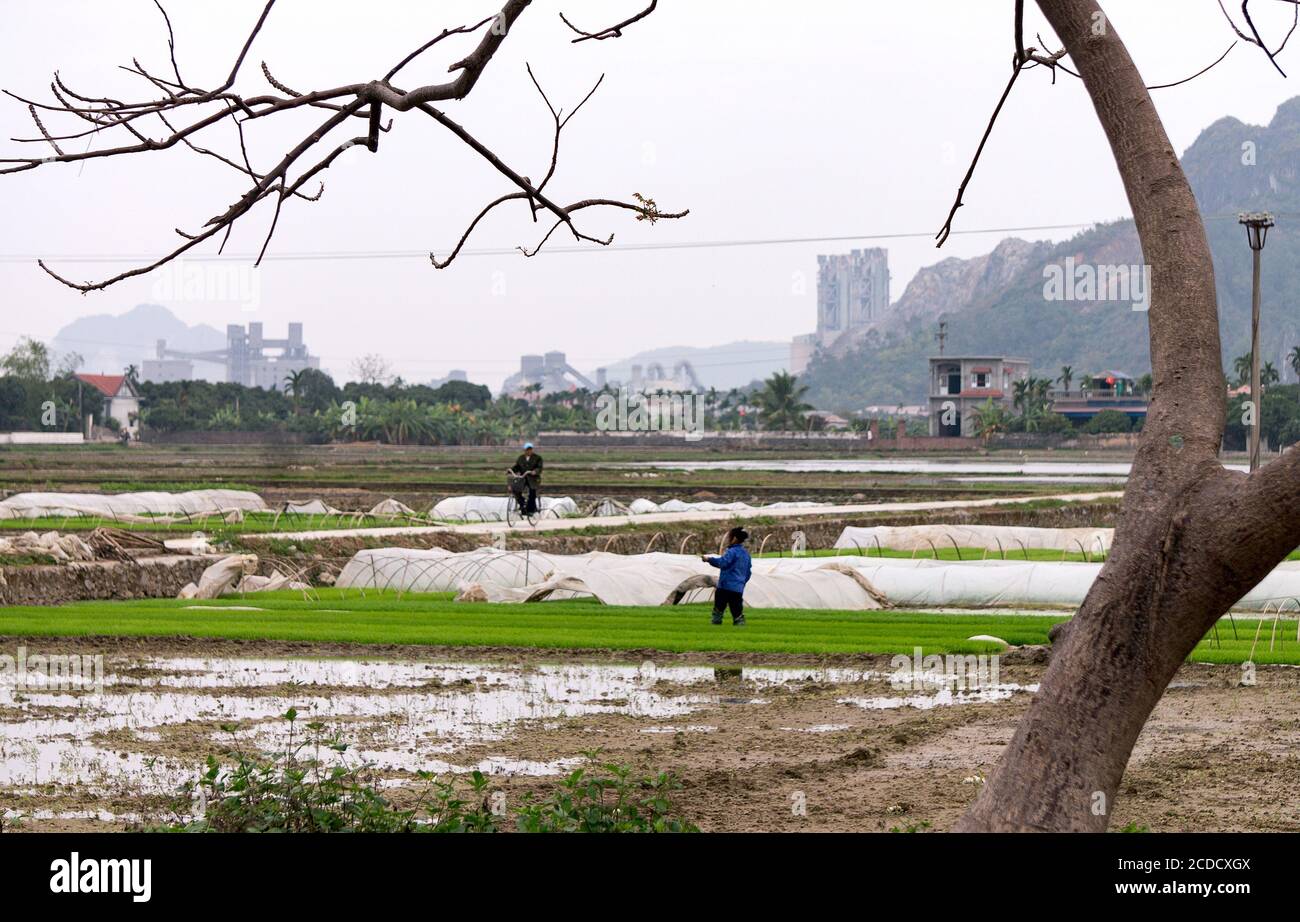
[{"x": 759, "y": 742}]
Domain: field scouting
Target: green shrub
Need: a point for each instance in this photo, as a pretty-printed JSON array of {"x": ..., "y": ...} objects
[
  {"x": 296, "y": 791},
  {"x": 1108, "y": 421},
  {"x": 603, "y": 797}
]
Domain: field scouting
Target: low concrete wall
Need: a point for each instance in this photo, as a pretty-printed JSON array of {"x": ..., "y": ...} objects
[
  {"x": 214, "y": 437},
  {"x": 822, "y": 442},
  {"x": 41, "y": 438},
  {"x": 151, "y": 578}
]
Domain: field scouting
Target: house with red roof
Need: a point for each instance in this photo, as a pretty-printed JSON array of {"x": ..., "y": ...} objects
[{"x": 121, "y": 400}]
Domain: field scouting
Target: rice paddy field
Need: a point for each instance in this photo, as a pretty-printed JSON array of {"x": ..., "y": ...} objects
[
  {"x": 433, "y": 619},
  {"x": 359, "y": 475},
  {"x": 806, "y": 703}
]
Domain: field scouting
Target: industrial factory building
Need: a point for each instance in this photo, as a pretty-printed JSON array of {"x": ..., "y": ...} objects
[{"x": 245, "y": 358}]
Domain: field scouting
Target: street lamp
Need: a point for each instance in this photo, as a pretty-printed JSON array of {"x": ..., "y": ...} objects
[{"x": 1257, "y": 224}]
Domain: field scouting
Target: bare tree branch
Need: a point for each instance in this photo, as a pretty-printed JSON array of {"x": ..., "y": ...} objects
[
  {"x": 645, "y": 209},
  {"x": 1255, "y": 38},
  {"x": 185, "y": 111},
  {"x": 614, "y": 31}
]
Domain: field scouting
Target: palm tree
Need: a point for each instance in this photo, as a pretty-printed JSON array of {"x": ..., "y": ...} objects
[
  {"x": 1038, "y": 391},
  {"x": 133, "y": 375},
  {"x": 294, "y": 383},
  {"x": 1020, "y": 393},
  {"x": 990, "y": 419},
  {"x": 1295, "y": 361},
  {"x": 781, "y": 402},
  {"x": 1067, "y": 375},
  {"x": 1268, "y": 375},
  {"x": 1242, "y": 367}
]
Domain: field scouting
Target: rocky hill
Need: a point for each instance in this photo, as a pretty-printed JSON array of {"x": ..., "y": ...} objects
[{"x": 999, "y": 303}]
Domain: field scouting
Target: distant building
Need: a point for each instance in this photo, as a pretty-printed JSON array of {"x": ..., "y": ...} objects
[
  {"x": 821, "y": 419},
  {"x": 655, "y": 378},
  {"x": 545, "y": 374},
  {"x": 121, "y": 401},
  {"x": 959, "y": 383},
  {"x": 852, "y": 292},
  {"x": 1106, "y": 390},
  {"x": 456, "y": 374},
  {"x": 162, "y": 371},
  {"x": 245, "y": 358}
]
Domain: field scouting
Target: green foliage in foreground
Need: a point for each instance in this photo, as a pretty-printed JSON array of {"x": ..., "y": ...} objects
[
  {"x": 303, "y": 789},
  {"x": 344, "y": 616}
]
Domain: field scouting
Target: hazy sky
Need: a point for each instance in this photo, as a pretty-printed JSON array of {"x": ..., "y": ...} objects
[{"x": 766, "y": 119}]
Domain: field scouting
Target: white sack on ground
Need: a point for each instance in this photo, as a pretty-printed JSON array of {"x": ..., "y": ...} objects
[
  {"x": 1007, "y": 539},
  {"x": 277, "y": 580},
  {"x": 493, "y": 508},
  {"x": 193, "y": 502},
  {"x": 62, "y": 548},
  {"x": 221, "y": 577}
]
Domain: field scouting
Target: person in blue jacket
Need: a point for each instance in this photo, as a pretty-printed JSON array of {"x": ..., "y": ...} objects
[{"x": 734, "y": 565}]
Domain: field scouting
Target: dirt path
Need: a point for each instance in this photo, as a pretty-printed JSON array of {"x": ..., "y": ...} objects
[{"x": 760, "y": 742}]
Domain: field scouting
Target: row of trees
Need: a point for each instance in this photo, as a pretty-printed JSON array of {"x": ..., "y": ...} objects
[{"x": 38, "y": 392}]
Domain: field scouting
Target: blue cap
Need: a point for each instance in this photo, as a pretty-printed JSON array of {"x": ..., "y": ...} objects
[{"x": 528, "y": 444}]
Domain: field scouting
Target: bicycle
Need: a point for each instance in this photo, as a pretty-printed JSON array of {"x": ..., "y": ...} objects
[{"x": 517, "y": 491}]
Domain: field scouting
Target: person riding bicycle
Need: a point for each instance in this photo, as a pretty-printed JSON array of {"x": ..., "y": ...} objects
[{"x": 528, "y": 467}]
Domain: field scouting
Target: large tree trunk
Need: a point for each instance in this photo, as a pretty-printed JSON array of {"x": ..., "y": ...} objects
[{"x": 1192, "y": 538}]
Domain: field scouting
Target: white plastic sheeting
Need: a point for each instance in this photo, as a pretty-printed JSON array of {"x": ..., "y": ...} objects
[
  {"x": 488, "y": 574},
  {"x": 314, "y": 506},
  {"x": 847, "y": 582},
  {"x": 646, "y": 506},
  {"x": 1006, "y": 539},
  {"x": 109, "y": 505},
  {"x": 391, "y": 508},
  {"x": 439, "y": 570},
  {"x": 62, "y": 548},
  {"x": 493, "y": 508},
  {"x": 236, "y": 574},
  {"x": 643, "y": 584}
]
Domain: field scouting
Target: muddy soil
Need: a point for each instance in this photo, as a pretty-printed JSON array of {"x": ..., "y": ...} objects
[{"x": 779, "y": 743}]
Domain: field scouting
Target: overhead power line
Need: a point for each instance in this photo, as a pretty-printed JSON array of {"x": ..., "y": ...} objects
[
  {"x": 509, "y": 251},
  {"x": 314, "y": 255}
]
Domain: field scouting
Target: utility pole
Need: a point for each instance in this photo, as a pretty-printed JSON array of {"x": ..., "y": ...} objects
[{"x": 1257, "y": 225}]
